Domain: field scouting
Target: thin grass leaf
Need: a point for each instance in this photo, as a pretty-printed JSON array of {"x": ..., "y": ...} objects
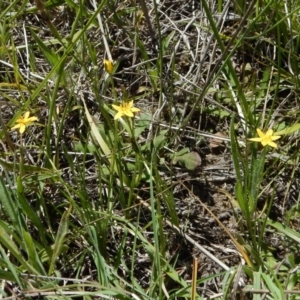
[
  {"x": 8, "y": 203},
  {"x": 257, "y": 172},
  {"x": 50, "y": 55},
  {"x": 13, "y": 269},
  {"x": 285, "y": 230},
  {"x": 31, "y": 215},
  {"x": 7, "y": 242},
  {"x": 28, "y": 169},
  {"x": 60, "y": 239},
  {"x": 235, "y": 153},
  {"x": 6, "y": 275},
  {"x": 33, "y": 257},
  {"x": 156, "y": 280},
  {"x": 228, "y": 64},
  {"x": 226, "y": 283},
  {"x": 167, "y": 196},
  {"x": 103, "y": 271},
  {"x": 62, "y": 59},
  {"x": 275, "y": 289},
  {"x": 257, "y": 284}
]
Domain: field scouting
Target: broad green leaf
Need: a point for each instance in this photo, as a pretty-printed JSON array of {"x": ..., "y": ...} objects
[
  {"x": 181, "y": 152},
  {"x": 33, "y": 258},
  {"x": 153, "y": 73},
  {"x": 80, "y": 147},
  {"x": 240, "y": 196},
  {"x": 288, "y": 130},
  {"x": 160, "y": 140},
  {"x": 166, "y": 41},
  {"x": 190, "y": 161},
  {"x": 257, "y": 284},
  {"x": 142, "y": 124}
]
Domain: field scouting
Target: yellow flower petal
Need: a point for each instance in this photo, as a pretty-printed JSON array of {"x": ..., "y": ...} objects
[
  {"x": 118, "y": 115},
  {"x": 128, "y": 113},
  {"x": 255, "y": 139},
  {"x": 32, "y": 119},
  {"x": 260, "y": 133},
  {"x": 125, "y": 109},
  {"x": 272, "y": 144},
  {"x": 22, "y": 128},
  {"x": 266, "y": 138},
  {"x": 135, "y": 109},
  {"x": 108, "y": 65},
  {"x": 269, "y": 132},
  {"x": 24, "y": 121},
  {"x": 264, "y": 143},
  {"x": 116, "y": 107},
  {"x": 275, "y": 137},
  {"x": 26, "y": 115},
  {"x": 16, "y": 126}
]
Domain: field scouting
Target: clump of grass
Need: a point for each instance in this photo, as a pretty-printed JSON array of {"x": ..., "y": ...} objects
[{"x": 112, "y": 191}]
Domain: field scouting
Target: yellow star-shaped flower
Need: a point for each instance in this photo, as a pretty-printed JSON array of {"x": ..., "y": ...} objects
[
  {"x": 125, "y": 109},
  {"x": 23, "y": 122},
  {"x": 266, "y": 138},
  {"x": 108, "y": 66}
]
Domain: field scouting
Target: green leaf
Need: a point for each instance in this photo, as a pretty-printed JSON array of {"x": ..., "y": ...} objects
[
  {"x": 153, "y": 73},
  {"x": 8, "y": 203},
  {"x": 50, "y": 55},
  {"x": 240, "y": 196},
  {"x": 285, "y": 230},
  {"x": 160, "y": 140},
  {"x": 33, "y": 258},
  {"x": 8, "y": 243},
  {"x": 257, "y": 284},
  {"x": 104, "y": 147},
  {"x": 166, "y": 42},
  {"x": 27, "y": 168},
  {"x": 274, "y": 287},
  {"x": 182, "y": 151},
  {"x": 142, "y": 124},
  {"x": 80, "y": 147},
  {"x": 30, "y": 213},
  {"x": 288, "y": 130},
  {"x": 167, "y": 197},
  {"x": 235, "y": 152},
  {"x": 5, "y": 275},
  {"x": 60, "y": 238},
  {"x": 190, "y": 161}
]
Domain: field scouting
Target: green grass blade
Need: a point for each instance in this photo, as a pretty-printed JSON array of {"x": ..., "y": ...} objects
[
  {"x": 8, "y": 203},
  {"x": 285, "y": 230},
  {"x": 7, "y": 242},
  {"x": 60, "y": 239}
]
